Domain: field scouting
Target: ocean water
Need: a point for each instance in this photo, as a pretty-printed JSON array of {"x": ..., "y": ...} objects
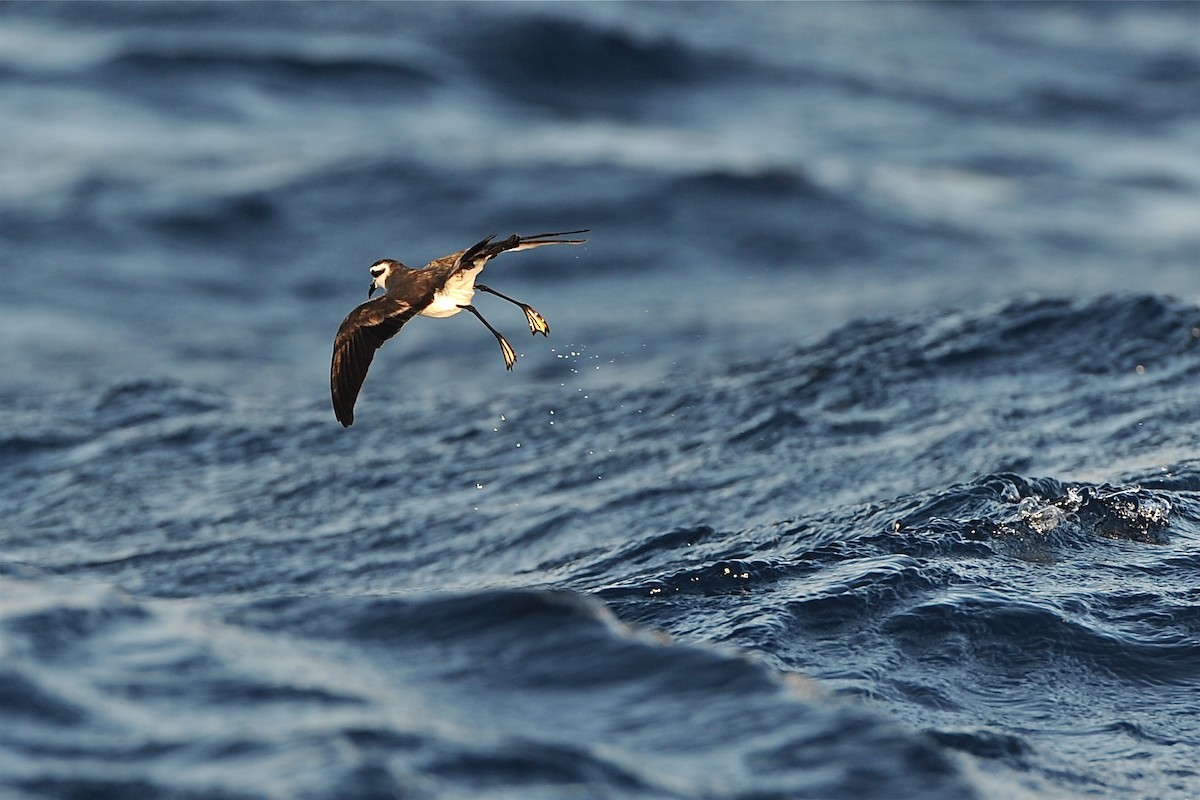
[{"x": 860, "y": 461}]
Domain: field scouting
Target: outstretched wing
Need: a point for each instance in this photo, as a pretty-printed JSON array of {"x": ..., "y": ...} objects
[
  {"x": 364, "y": 331},
  {"x": 484, "y": 251}
]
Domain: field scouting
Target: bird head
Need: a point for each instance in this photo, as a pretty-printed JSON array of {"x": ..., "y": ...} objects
[{"x": 380, "y": 272}]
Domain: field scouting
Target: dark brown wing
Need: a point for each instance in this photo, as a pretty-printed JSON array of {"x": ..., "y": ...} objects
[
  {"x": 485, "y": 250},
  {"x": 364, "y": 331}
]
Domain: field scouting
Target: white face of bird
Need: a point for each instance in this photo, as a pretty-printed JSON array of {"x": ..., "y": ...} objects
[{"x": 380, "y": 271}]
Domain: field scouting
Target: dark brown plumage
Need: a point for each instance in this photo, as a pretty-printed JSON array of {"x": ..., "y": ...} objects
[
  {"x": 362, "y": 333},
  {"x": 443, "y": 288}
]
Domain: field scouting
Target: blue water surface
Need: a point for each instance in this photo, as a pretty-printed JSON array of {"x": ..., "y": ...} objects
[{"x": 860, "y": 461}]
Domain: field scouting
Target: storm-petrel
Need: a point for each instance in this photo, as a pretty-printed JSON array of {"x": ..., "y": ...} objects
[{"x": 442, "y": 288}]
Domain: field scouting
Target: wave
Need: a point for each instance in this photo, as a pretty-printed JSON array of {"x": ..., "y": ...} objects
[
  {"x": 863, "y": 510},
  {"x": 486, "y": 692}
]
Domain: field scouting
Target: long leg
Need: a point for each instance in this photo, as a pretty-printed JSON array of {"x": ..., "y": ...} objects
[
  {"x": 510, "y": 355},
  {"x": 537, "y": 323}
]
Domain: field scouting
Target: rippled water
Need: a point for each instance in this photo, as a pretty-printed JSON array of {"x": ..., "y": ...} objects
[{"x": 859, "y": 462}]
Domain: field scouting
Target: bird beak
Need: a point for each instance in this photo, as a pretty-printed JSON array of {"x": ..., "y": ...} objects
[{"x": 371, "y": 291}]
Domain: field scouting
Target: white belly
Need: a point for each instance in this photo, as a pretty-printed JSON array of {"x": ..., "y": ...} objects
[{"x": 457, "y": 292}]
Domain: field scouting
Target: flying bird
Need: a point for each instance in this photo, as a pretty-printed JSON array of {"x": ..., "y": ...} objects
[{"x": 442, "y": 288}]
